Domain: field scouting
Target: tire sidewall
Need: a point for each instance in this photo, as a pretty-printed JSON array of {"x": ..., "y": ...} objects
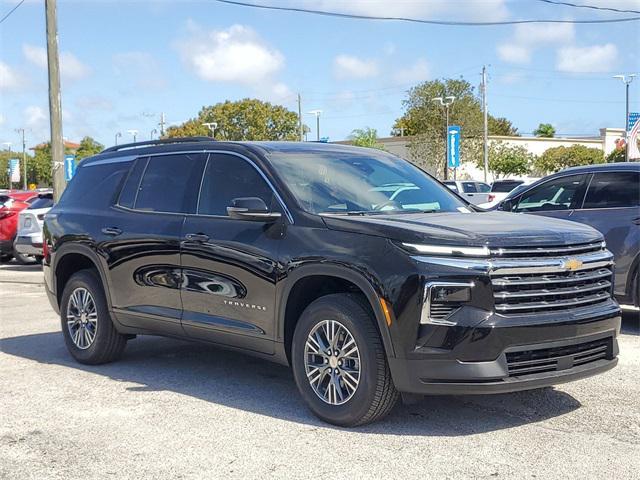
[
  {"x": 359, "y": 404},
  {"x": 87, "y": 280}
]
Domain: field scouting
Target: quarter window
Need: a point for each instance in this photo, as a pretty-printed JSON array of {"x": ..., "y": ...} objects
[
  {"x": 228, "y": 177},
  {"x": 613, "y": 189},
  {"x": 170, "y": 183},
  {"x": 130, "y": 188},
  {"x": 558, "y": 194}
]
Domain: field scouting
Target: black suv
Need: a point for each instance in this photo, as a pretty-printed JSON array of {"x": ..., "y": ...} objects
[{"x": 356, "y": 268}]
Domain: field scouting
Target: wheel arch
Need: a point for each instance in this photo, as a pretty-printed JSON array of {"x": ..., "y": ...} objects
[
  {"x": 71, "y": 258},
  {"x": 341, "y": 280}
]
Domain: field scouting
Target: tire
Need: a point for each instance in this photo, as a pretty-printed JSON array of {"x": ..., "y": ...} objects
[
  {"x": 23, "y": 259},
  {"x": 5, "y": 258},
  {"x": 102, "y": 342},
  {"x": 374, "y": 394}
]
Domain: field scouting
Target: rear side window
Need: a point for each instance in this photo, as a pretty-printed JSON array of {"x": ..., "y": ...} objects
[
  {"x": 469, "y": 187},
  {"x": 95, "y": 185},
  {"x": 45, "y": 201},
  {"x": 228, "y": 177},
  {"x": 452, "y": 186},
  {"x": 130, "y": 188},
  {"x": 613, "y": 189},
  {"x": 483, "y": 187},
  {"x": 170, "y": 183}
]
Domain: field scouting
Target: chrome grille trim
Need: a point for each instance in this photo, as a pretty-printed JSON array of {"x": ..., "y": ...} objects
[
  {"x": 554, "y": 304},
  {"x": 602, "y": 284},
  {"x": 582, "y": 276},
  {"x": 548, "y": 251}
]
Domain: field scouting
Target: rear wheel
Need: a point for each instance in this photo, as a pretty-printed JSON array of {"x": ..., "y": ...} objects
[
  {"x": 339, "y": 362},
  {"x": 86, "y": 324}
]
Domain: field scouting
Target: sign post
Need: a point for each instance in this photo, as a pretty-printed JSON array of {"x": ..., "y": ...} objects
[
  {"x": 453, "y": 148},
  {"x": 69, "y": 167},
  {"x": 14, "y": 171}
]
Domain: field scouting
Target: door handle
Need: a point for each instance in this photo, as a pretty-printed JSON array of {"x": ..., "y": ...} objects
[
  {"x": 112, "y": 231},
  {"x": 197, "y": 237}
]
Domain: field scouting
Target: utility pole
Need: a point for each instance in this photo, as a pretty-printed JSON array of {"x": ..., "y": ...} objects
[
  {"x": 485, "y": 114},
  {"x": 55, "y": 101},
  {"x": 626, "y": 79},
  {"x": 300, "y": 118},
  {"x": 162, "y": 124},
  {"x": 24, "y": 158}
]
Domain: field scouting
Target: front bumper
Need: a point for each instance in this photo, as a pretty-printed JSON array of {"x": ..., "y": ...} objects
[
  {"x": 29, "y": 245},
  {"x": 507, "y": 354}
]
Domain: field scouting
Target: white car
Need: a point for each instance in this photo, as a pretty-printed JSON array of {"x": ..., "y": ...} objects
[
  {"x": 28, "y": 243},
  {"x": 474, "y": 191},
  {"x": 501, "y": 188}
]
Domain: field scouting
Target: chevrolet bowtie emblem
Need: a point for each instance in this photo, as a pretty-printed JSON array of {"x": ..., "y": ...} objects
[{"x": 572, "y": 264}]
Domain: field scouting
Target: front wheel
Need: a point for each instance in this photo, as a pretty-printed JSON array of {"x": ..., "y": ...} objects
[{"x": 339, "y": 363}]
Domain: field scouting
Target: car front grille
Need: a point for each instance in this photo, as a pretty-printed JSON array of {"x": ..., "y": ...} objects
[
  {"x": 544, "y": 360},
  {"x": 558, "y": 279}
]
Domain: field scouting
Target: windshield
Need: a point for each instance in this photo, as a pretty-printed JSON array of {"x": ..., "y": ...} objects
[{"x": 361, "y": 182}]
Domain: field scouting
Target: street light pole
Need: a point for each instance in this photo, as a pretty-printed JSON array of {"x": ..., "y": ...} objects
[
  {"x": 8, "y": 144},
  {"x": 626, "y": 79},
  {"x": 446, "y": 102},
  {"x": 317, "y": 113},
  {"x": 119, "y": 134},
  {"x": 212, "y": 128},
  {"x": 134, "y": 134}
]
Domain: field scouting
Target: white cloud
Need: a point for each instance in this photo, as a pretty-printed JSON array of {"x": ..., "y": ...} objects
[
  {"x": 35, "y": 117},
  {"x": 418, "y": 72},
  {"x": 236, "y": 55},
  {"x": 595, "y": 58},
  {"x": 9, "y": 78},
  {"x": 545, "y": 33},
  {"x": 349, "y": 66},
  {"x": 71, "y": 67},
  {"x": 528, "y": 37},
  {"x": 514, "y": 53},
  {"x": 142, "y": 68}
]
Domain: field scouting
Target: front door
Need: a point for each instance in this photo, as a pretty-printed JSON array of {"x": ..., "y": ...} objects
[
  {"x": 230, "y": 266},
  {"x": 556, "y": 198},
  {"x": 612, "y": 207}
]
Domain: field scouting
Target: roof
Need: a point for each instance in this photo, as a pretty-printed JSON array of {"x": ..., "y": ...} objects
[{"x": 599, "y": 167}]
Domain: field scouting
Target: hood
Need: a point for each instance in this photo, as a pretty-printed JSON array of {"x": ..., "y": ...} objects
[{"x": 494, "y": 229}]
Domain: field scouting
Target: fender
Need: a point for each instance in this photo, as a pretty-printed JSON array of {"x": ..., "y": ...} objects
[
  {"x": 344, "y": 273},
  {"x": 67, "y": 248}
]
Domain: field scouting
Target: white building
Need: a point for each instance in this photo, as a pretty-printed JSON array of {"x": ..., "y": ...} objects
[{"x": 535, "y": 145}]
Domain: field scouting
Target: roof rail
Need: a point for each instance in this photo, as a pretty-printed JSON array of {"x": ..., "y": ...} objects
[{"x": 163, "y": 141}]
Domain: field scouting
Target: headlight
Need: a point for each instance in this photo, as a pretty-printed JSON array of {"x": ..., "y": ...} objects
[
  {"x": 451, "y": 250},
  {"x": 441, "y": 299}
]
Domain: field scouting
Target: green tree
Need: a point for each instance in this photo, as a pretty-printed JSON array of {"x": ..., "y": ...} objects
[
  {"x": 505, "y": 160},
  {"x": 247, "y": 119},
  {"x": 557, "y": 158},
  {"x": 545, "y": 130},
  {"x": 39, "y": 167},
  {"x": 366, "y": 137},
  {"x": 88, "y": 147},
  {"x": 501, "y": 126},
  {"x": 424, "y": 120}
]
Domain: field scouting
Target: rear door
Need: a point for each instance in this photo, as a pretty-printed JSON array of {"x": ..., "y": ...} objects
[
  {"x": 476, "y": 192},
  {"x": 612, "y": 206},
  {"x": 557, "y": 197},
  {"x": 142, "y": 240},
  {"x": 230, "y": 266}
]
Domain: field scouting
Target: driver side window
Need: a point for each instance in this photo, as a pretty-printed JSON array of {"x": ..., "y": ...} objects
[{"x": 558, "y": 194}]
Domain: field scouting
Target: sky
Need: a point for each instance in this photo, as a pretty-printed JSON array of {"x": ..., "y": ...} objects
[{"x": 123, "y": 63}]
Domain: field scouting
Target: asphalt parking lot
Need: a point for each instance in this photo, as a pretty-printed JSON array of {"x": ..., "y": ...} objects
[{"x": 171, "y": 409}]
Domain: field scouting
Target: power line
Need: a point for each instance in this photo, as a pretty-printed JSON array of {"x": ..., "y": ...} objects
[
  {"x": 417, "y": 20},
  {"x": 11, "y": 11},
  {"x": 592, "y": 7}
]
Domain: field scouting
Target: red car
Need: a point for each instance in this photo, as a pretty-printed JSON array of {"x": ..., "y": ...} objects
[{"x": 11, "y": 204}]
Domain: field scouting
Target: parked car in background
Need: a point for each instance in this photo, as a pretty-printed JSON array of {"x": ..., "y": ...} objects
[
  {"x": 607, "y": 197},
  {"x": 28, "y": 243},
  {"x": 474, "y": 191},
  {"x": 500, "y": 189},
  {"x": 11, "y": 204}
]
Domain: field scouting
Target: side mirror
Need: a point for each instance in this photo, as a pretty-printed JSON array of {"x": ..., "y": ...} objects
[{"x": 251, "y": 208}]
